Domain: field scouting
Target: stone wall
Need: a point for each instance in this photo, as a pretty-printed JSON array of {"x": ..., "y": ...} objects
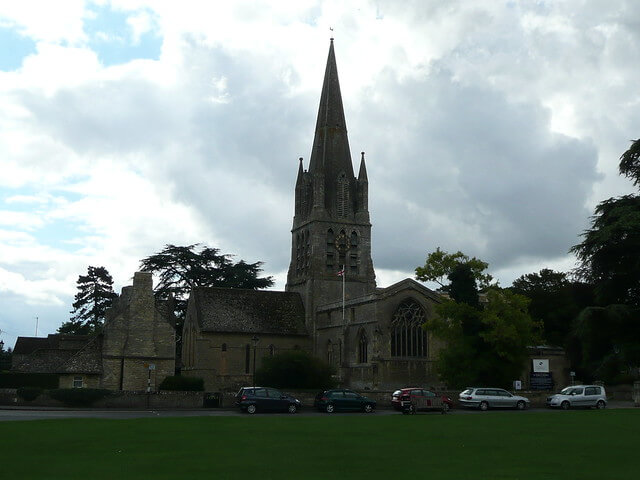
[{"x": 223, "y": 361}]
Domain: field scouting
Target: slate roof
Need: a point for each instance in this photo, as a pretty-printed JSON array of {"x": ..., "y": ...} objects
[
  {"x": 59, "y": 353},
  {"x": 234, "y": 310}
]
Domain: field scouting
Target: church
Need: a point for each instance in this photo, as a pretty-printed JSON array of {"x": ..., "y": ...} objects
[{"x": 331, "y": 305}]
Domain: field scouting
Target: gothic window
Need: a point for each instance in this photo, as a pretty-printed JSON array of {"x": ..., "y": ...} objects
[
  {"x": 408, "y": 338},
  {"x": 331, "y": 252},
  {"x": 343, "y": 195},
  {"x": 342, "y": 245},
  {"x": 362, "y": 348},
  {"x": 224, "y": 347},
  {"x": 272, "y": 350},
  {"x": 329, "y": 352}
]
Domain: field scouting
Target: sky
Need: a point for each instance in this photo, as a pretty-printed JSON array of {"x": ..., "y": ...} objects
[{"x": 491, "y": 127}]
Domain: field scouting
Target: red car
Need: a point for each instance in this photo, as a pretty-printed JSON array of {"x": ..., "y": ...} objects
[{"x": 404, "y": 394}]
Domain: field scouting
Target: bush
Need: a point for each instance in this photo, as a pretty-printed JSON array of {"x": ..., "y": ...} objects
[
  {"x": 295, "y": 369},
  {"x": 182, "y": 384},
  {"x": 78, "y": 397},
  {"x": 17, "y": 380},
  {"x": 29, "y": 393}
]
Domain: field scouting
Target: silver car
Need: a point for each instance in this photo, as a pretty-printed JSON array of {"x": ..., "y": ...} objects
[
  {"x": 579, "y": 396},
  {"x": 485, "y": 398}
]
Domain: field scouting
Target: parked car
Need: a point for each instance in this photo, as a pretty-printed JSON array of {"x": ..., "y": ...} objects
[
  {"x": 579, "y": 396},
  {"x": 266, "y": 399},
  {"x": 343, "y": 400},
  {"x": 485, "y": 398},
  {"x": 405, "y": 394}
]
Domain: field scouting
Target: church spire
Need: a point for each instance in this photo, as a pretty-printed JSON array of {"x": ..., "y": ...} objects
[
  {"x": 362, "y": 174},
  {"x": 330, "y": 162}
]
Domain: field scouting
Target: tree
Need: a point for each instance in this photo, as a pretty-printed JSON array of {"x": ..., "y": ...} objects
[
  {"x": 295, "y": 369},
  {"x": 555, "y": 301},
  {"x": 179, "y": 269},
  {"x": 630, "y": 163},
  {"x": 609, "y": 257},
  {"x": 95, "y": 295},
  {"x": 485, "y": 343},
  {"x": 440, "y": 264}
]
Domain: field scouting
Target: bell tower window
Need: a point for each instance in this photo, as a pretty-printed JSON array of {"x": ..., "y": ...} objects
[{"x": 331, "y": 251}]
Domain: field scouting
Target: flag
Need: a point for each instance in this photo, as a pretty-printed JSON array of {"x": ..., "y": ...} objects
[{"x": 341, "y": 273}]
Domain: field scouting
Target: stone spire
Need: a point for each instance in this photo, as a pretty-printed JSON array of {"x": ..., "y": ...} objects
[{"x": 330, "y": 156}]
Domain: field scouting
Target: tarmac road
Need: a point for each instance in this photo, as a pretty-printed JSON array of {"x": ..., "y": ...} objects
[{"x": 9, "y": 413}]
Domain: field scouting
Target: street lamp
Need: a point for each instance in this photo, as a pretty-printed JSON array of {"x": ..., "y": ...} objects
[{"x": 255, "y": 341}]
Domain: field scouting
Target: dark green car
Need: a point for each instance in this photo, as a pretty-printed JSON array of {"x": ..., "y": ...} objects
[{"x": 342, "y": 400}]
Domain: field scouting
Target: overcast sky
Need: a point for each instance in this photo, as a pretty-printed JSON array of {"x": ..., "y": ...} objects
[{"x": 491, "y": 127}]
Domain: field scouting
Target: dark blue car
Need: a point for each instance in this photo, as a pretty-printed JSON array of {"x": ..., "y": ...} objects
[
  {"x": 343, "y": 400},
  {"x": 266, "y": 399}
]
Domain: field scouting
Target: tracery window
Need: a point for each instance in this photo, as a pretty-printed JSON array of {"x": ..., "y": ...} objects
[
  {"x": 363, "y": 345},
  {"x": 408, "y": 338}
]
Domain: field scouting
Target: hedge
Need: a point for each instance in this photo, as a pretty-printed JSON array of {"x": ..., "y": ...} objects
[
  {"x": 182, "y": 384},
  {"x": 29, "y": 393},
  {"x": 78, "y": 397},
  {"x": 17, "y": 380}
]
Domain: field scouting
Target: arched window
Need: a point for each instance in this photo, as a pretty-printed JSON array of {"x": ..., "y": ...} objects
[
  {"x": 353, "y": 253},
  {"x": 343, "y": 195},
  {"x": 331, "y": 250},
  {"x": 224, "y": 347},
  {"x": 363, "y": 345},
  {"x": 272, "y": 350},
  {"x": 408, "y": 338},
  {"x": 329, "y": 352}
]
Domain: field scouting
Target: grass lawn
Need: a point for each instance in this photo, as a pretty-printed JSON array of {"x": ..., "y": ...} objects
[{"x": 494, "y": 445}]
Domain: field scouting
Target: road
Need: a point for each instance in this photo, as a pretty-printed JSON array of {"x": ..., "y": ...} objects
[{"x": 23, "y": 413}]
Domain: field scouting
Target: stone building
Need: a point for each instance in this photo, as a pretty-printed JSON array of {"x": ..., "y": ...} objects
[
  {"x": 135, "y": 350},
  {"x": 373, "y": 336}
]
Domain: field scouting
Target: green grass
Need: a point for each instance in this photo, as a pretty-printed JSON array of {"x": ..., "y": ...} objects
[{"x": 495, "y": 445}]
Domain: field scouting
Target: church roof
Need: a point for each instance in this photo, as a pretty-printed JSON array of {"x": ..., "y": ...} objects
[{"x": 234, "y": 310}]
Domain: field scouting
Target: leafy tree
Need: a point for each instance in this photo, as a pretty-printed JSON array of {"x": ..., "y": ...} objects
[
  {"x": 485, "y": 343},
  {"x": 609, "y": 254},
  {"x": 94, "y": 297},
  {"x": 181, "y": 268},
  {"x": 630, "y": 163},
  {"x": 609, "y": 257},
  {"x": 555, "y": 301},
  {"x": 295, "y": 369},
  {"x": 440, "y": 264}
]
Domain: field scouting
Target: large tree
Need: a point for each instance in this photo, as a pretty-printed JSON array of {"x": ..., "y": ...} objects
[
  {"x": 485, "y": 342},
  {"x": 556, "y": 300},
  {"x": 94, "y": 297},
  {"x": 440, "y": 264},
  {"x": 181, "y": 268},
  {"x": 609, "y": 257}
]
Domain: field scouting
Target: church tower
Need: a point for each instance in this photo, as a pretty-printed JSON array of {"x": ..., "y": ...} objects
[{"x": 331, "y": 228}]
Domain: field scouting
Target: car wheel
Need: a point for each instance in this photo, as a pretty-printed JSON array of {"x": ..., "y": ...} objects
[
  {"x": 445, "y": 407},
  {"x": 484, "y": 406},
  {"x": 565, "y": 405},
  {"x": 251, "y": 409},
  {"x": 329, "y": 408},
  {"x": 600, "y": 405},
  {"x": 412, "y": 410},
  {"x": 521, "y": 405},
  {"x": 368, "y": 408},
  {"x": 292, "y": 408}
]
